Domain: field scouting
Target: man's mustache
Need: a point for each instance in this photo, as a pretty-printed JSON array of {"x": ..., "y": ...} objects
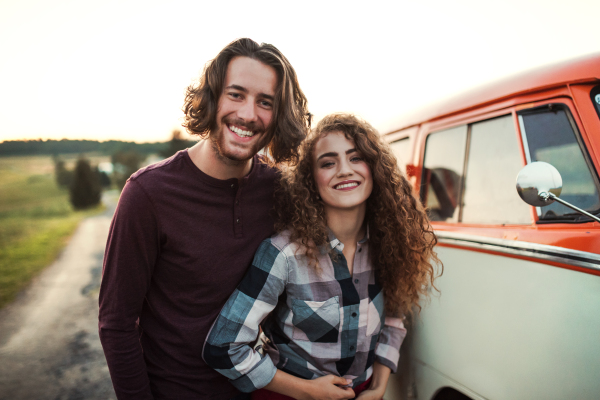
[{"x": 247, "y": 126}]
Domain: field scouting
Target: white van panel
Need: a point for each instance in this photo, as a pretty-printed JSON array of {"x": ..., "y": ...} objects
[{"x": 503, "y": 327}]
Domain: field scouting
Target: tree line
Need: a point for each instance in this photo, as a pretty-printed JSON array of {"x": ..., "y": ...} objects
[
  {"x": 68, "y": 146},
  {"x": 85, "y": 182}
]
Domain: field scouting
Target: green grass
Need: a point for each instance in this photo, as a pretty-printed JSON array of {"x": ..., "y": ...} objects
[{"x": 36, "y": 221}]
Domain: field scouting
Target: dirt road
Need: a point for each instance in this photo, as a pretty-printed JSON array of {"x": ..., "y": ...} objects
[{"x": 49, "y": 346}]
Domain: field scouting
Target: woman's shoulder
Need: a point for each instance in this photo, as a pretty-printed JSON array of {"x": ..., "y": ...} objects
[{"x": 282, "y": 242}]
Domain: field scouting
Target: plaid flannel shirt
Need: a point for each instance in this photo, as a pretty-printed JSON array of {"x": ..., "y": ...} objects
[{"x": 320, "y": 323}]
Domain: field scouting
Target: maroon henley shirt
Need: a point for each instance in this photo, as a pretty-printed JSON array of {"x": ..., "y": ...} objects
[{"x": 179, "y": 244}]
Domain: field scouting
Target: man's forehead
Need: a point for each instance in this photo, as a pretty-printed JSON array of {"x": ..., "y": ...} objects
[{"x": 251, "y": 75}]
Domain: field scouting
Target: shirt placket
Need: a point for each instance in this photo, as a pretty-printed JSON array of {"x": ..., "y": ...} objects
[{"x": 238, "y": 219}]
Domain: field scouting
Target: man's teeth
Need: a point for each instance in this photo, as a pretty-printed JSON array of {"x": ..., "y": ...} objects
[
  {"x": 346, "y": 185},
  {"x": 241, "y": 132}
]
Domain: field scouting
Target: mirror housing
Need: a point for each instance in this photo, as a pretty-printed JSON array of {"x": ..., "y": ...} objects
[{"x": 536, "y": 180}]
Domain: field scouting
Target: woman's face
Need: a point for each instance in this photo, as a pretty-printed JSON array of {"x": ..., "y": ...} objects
[{"x": 343, "y": 178}]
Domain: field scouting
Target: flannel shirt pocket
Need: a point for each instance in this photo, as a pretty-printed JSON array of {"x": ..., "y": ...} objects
[{"x": 316, "y": 321}]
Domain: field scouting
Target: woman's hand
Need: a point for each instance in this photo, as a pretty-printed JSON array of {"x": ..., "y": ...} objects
[
  {"x": 371, "y": 394},
  {"x": 328, "y": 387},
  {"x": 323, "y": 388},
  {"x": 379, "y": 381}
]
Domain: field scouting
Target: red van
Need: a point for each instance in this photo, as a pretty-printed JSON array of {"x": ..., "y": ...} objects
[{"x": 518, "y": 312}]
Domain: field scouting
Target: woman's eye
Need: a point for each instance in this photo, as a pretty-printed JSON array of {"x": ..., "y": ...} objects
[
  {"x": 356, "y": 159},
  {"x": 327, "y": 164}
]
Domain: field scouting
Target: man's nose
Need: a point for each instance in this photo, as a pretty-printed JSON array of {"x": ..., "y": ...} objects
[{"x": 247, "y": 111}]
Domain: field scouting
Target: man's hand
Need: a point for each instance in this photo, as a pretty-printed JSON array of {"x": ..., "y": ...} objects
[{"x": 328, "y": 388}]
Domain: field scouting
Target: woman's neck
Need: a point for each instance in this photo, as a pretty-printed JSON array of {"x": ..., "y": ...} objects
[{"x": 347, "y": 224}]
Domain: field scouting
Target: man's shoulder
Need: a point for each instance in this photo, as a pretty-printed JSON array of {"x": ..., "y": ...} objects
[
  {"x": 161, "y": 168},
  {"x": 265, "y": 169}
]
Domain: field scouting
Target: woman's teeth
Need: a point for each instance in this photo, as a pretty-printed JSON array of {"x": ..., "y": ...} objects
[
  {"x": 241, "y": 132},
  {"x": 346, "y": 185}
]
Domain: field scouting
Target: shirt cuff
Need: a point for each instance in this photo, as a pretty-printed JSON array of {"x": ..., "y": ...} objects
[
  {"x": 260, "y": 376},
  {"x": 388, "y": 356}
]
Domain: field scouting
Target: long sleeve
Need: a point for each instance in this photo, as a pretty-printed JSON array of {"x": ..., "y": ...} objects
[
  {"x": 131, "y": 252},
  {"x": 387, "y": 351},
  {"x": 227, "y": 348}
]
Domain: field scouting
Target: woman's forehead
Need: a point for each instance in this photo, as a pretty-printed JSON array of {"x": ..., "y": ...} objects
[{"x": 335, "y": 141}]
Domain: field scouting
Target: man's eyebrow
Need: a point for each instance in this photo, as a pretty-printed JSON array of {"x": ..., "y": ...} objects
[
  {"x": 244, "y": 90},
  {"x": 237, "y": 87}
]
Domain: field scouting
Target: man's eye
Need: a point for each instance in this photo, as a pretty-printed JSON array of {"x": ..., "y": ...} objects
[
  {"x": 235, "y": 95},
  {"x": 266, "y": 104}
]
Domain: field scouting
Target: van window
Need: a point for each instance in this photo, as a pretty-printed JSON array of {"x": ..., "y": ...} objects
[
  {"x": 401, "y": 150},
  {"x": 595, "y": 94},
  {"x": 494, "y": 160},
  {"x": 550, "y": 135},
  {"x": 443, "y": 171}
]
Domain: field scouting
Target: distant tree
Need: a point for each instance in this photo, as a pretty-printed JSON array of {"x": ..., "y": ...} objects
[
  {"x": 125, "y": 163},
  {"x": 85, "y": 189},
  {"x": 103, "y": 178},
  {"x": 63, "y": 176},
  {"x": 176, "y": 143}
]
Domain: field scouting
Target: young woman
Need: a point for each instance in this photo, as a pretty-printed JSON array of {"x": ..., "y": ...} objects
[{"x": 352, "y": 258}]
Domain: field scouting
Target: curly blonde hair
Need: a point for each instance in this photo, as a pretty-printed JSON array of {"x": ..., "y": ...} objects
[{"x": 401, "y": 238}]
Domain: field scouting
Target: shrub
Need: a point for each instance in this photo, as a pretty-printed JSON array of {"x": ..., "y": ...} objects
[{"x": 85, "y": 189}]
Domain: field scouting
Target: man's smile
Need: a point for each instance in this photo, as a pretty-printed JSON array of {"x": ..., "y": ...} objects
[{"x": 240, "y": 132}]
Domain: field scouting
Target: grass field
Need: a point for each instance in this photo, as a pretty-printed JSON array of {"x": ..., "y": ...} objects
[{"x": 36, "y": 220}]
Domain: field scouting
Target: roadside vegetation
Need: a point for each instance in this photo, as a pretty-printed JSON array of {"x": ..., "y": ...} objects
[
  {"x": 48, "y": 186},
  {"x": 36, "y": 219}
]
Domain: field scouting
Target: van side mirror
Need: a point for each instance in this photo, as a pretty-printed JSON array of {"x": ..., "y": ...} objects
[
  {"x": 539, "y": 184},
  {"x": 536, "y": 180}
]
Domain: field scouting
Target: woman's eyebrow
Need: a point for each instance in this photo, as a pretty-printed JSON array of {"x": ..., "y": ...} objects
[
  {"x": 334, "y": 154},
  {"x": 330, "y": 154}
]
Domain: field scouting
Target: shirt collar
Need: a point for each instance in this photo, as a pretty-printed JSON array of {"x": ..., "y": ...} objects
[{"x": 335, "y": 242}]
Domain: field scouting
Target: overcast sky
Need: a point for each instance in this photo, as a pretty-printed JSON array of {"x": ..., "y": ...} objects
[{"x": 118, "y": 69}]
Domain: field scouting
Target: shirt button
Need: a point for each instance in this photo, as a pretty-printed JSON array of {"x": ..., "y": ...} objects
[
  {"x": 232, "y": 185},
  {"x": 237, "y": 202},
  {"x": 354, "y": 314},
  {"x": 237, "y": 220},
  {"x": 351, "y": 348},
  {"x": 356, "y": 281}
]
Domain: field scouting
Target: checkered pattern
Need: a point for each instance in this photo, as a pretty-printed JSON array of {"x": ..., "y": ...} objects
[{"x": 319, "y": 323}]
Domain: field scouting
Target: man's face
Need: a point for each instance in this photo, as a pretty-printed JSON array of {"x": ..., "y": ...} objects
[{"x": 245, "y": 109}]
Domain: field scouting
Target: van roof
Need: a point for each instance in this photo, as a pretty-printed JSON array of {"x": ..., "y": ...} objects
[{"x": 579, "y": 70}]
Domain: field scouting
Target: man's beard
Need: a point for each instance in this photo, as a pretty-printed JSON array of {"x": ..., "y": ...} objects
[{"x": 231, "y": 159}]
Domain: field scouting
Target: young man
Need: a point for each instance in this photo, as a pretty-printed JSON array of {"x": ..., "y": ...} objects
[{"x": 186, "y": 229}]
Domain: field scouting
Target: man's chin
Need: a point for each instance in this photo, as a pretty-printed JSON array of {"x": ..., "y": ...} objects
[{"x": 232, "y": 157}]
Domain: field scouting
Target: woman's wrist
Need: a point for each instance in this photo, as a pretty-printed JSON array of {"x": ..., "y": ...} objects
[{"x": 380, "y": 377}]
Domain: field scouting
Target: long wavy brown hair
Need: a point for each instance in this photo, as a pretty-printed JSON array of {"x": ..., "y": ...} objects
[
  {"x": 291, "y": 117},
  {"x": 401, "y": 238}
]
